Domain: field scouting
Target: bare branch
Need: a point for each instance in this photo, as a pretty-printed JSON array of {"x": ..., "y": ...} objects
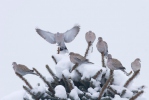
[
  {"x": 137, "y": 95},
  {"x": 54, "y": 59},
  {"x": 97, "y": 74},
  {"x": 26, "y": 82},
  {"x": 104, "y": 87},
  {"x": 49, "y": 85},
  {"x": 131, "y": 78},
  {"x": 87, "y": 50}
]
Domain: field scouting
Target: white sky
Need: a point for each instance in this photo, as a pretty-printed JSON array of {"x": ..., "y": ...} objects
[{"x": 124, "y": 24}]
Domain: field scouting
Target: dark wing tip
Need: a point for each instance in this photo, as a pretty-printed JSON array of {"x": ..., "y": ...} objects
[
  {"x": 37, "y": 29},
  {"x": 122, "y": 68},
  {"x": 77, "y": 26}
]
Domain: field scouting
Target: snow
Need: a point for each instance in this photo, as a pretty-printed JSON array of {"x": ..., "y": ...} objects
[
  {"x": 60, "y": 92},
  {"x": 17, "y": 95},
  {"x": 74, "y": 94},
  {"x": 93, "y": 93},
  {"x": 37, "y": 89},
  {"x": 66, "y": 73},
  {"x": 117, "y": 97},
  {"x": 119, "y": 77},
  {"x": 62, "y": 65},
  {"x": 119, "y": 90}
]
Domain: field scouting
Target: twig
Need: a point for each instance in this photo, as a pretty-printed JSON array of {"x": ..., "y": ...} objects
[
  {"x": 66, "y": 83},
  {"x": 123, "y": 92},
  {"x": 29, "y": 92},
  {"x": 50, "y": 71},
  {"x": 74, "y": 67},
  {"x": 111, "y": 73},
  {"x": 131, "y": 78},
  {"x": 70, "y": 84},
  {"x": 103, "y": 62},
  {"x": 137, "y": 95},
  {"x": 26, "y": 82},
  {"x": 54, "y": 59},
  {"x": 104, "y": 87},
  {"x": 112, "y": 90},
  {"x": 97, "y": 74},
  {"x": 52, "y": 74},
  {"x": 49, "y": 85},
  {"x": 79, "y": 73},
  {"x": 58, "y": 50},
  {"x": 89, "y": 44}
]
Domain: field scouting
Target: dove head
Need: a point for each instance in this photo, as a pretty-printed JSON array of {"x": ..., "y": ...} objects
[
  {"x": 14, "y": 63},
  {"x": 100, "y": 39},
  {"x": 57, "y": 34},
  {"x": 71, "y": 53},
  {"x": 138, "y": 59},
  {"x": 109, "y": 56}
]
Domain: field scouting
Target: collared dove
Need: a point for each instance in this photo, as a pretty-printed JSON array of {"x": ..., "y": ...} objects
[
  {"x": 59, "y": 38},
  {"x": 136, "y": 65},
  {"x": 77, "y": 58},
  {"x": 102, "y": 46},
  {"x": 22, "y": 69},
  {"x": 90, "y": 37},
  {"x": 115, "y": 64}
]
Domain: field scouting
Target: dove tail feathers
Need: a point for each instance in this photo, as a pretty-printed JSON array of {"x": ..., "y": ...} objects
[
  {"x": 63, "y": 48},
  {"x": 122, "y": 68},
  {"x": 35, "y": 74},
  {"x": 88, "y": 61}
]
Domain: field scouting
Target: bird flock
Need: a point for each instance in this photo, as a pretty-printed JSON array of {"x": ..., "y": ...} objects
[{"x": 75, "y": 58}]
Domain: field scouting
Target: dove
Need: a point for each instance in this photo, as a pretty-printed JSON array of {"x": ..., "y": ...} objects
[
  {"x": 22, "y": 69},
  {"x": 102, "y": 46},
  {"x": 77, "y": 58},
  {"x": 90, "y": 37},
  {"x": 59, "y": 38},
  {"x": 136, "y": 65},
  {"x": 115, "y": 64}
]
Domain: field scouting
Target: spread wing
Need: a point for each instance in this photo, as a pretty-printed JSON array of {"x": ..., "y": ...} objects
[
  {"x": 116, "y": 63},
  {"x": 71, "y": 34},
  {"x": 48, "y": 36},
  {"x": 23, "y": 67}
]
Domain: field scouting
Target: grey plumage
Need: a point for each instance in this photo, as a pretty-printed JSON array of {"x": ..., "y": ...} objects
[
  {"x": 115, "y": 64},
  {"x": 59, "y": 38},
  {"x": 22, "y": 69},
  {"x": 90, "y": 37},
  {"x": 77, "y": 58},
  {"x": 136, "y": 65},
  {"x": 102, "y": 46}
]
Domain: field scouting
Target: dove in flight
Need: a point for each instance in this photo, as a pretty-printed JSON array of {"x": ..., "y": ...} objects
[
  {"x": 59, "y": 38},
  {"x": 22, "y": 69}
]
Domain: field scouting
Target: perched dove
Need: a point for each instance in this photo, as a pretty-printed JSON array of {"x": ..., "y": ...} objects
[
  {"x": 59, "y": 38},
  {"x": 115, "y": 64},
  {"x": 102, "y": 46},
  {"x": 22, "y": 69},
  {"x": 77, "y": 58},
  {"x": 136, "y": 65},
  {"x": 90, "y": 37}
]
